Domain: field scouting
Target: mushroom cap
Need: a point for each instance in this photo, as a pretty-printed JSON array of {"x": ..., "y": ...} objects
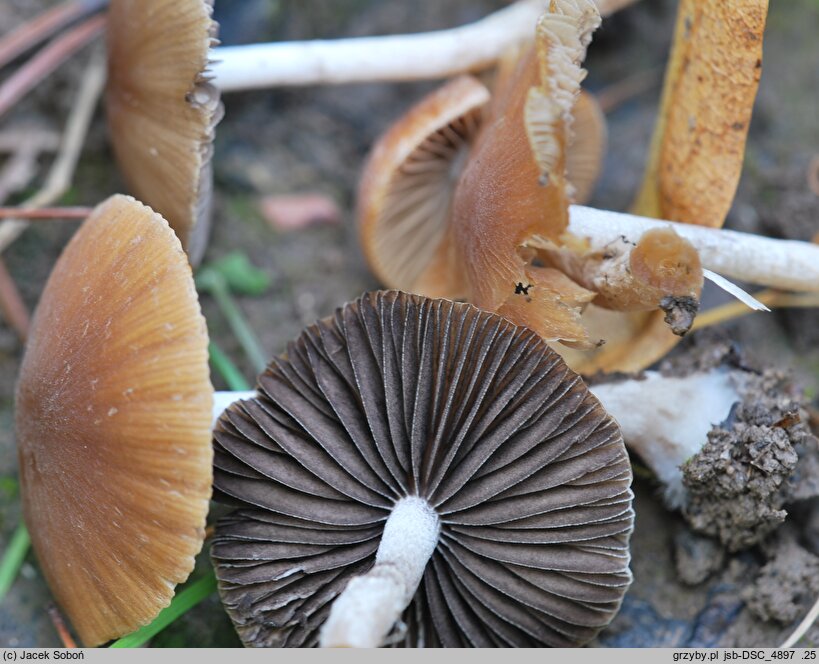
[
  {"x": 161, "y": 109},
  {"x": 113, "y": 421},
  {"x": 399, "y": 395},
  {"x": 407, "y": 186},
  {"x": 514, "y": 188}
]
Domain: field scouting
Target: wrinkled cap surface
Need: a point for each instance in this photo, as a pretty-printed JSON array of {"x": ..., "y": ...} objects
[
  {"x": 113, "y": 422},
  {"x": 399, "y": 395},
  {"x": 162, "y": 110}
]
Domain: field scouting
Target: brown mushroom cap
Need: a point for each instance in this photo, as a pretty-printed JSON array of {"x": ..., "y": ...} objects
[
  {"x": 161, "y": 109},
  {"x": 113, "y": 421},
  {"x": 399, "y": 395},
  {"x": 407, "y": 186}
]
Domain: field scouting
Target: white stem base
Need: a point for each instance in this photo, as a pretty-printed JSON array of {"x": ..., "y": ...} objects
[
  {"x": 363, "y": 615},
  {"x": 666, "y": 420},
  {"x": 783, "y": 264},
  {"x": 221, "y": 400}
]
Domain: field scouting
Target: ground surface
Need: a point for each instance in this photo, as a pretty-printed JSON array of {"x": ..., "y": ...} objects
[{"x": 315, "y": 140}]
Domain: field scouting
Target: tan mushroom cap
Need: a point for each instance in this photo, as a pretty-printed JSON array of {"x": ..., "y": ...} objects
[
  {"x": 407, "y": 187},
  {"x": 113, "y": 422},
  {"x": 161, "y": 109}
]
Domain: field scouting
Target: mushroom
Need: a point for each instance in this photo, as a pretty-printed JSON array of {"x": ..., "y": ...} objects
[
  {"x": 419, "y": 56},
  {"x": 405, "y": 195},
  {"x": 162, "y": 109},
  {"x": 425, "y": 464},
  {"x": 696, "y": 155},
  {"x": 722, "y": 438},
  {"x": 408, "y": 183},
  {"x": 113, "y": 420}
]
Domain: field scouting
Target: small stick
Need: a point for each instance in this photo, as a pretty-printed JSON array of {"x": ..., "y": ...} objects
[
  {"x": 46, "y": 213},
  {"x": 803, "y": 627},
  {"x": 773, "y": 298},
  {"x": 780, "y": 264},
  {"x": 62, "y": 170},
  {"x": 46, "y": 61},
  {"x": 12, "y": 305},
  {"x": 413, "y": 57},
  {"x": 616, "y": 94},
  {"x": 43, "y": 26},
  {"x": 59, "y": 625}
]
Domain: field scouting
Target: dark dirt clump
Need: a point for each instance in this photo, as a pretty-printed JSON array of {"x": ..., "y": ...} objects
[
  {"x": 696, "y": 557},
  {"x": 742, "y": 478},
  {"x": 787, "y": 584}
]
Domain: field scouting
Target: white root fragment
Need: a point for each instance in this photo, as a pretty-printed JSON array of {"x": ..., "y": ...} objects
[
  {"x": 666, "y": 419},
  {"x": 368, "y": 608},
  {"x": 782, "y": 264},
  {"x": 732, "y": 289},
  {"x": 420, "y": 56}
]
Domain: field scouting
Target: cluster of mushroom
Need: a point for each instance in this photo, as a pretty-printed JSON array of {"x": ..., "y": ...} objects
[
  {"x": 407, "y": 459},
  {"x": 412, "y": 470}
]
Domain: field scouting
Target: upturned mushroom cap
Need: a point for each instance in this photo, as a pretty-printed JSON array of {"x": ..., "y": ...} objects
[
  {"x": 398, "y": 395},
  {"x": 161, "y": 109},
  {"x": 407, "y": 186},
  {"x": 113, "y": 421}
]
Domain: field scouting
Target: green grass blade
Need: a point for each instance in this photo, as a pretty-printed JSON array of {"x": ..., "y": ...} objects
[
  {"x": 13, "y": 558},
  {"x": 184, "y": 601},
  {"x": 226, "y": 369}
]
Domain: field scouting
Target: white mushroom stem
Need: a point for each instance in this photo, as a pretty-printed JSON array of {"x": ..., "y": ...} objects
[
  {"x": 666, "y": 419},
  {"x": 368, "y": 608},
  {"x": 782, "y": 264},
  {"x": 427, "y": 55}
]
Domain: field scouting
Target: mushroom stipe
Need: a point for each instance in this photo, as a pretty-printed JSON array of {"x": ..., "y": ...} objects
[{"x": 437, "y": 408}]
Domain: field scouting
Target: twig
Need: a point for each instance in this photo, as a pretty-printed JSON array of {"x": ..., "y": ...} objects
[
  {"x": 59, "y": 625},
  {"x": 46, "y": 61},
  {"x": 12, "y": 305},
  {"x": 803, "y": 627},
  {"x": 43, "y": 26},
  {"x": 45, "y": 213},
  {"x": 616, "y": 94},
  {"x": 773, "y": 298},
  {"x": 25, "y": 145},
  {"x": 813, "y": 174},
  {"x": 62, "y": 170},
  {"x": 418, "y": 56}
]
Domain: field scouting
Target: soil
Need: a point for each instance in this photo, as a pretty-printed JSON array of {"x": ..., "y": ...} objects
[
  {"x": 315, "y": 140},
  {"x": 739, "y": 482}
]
